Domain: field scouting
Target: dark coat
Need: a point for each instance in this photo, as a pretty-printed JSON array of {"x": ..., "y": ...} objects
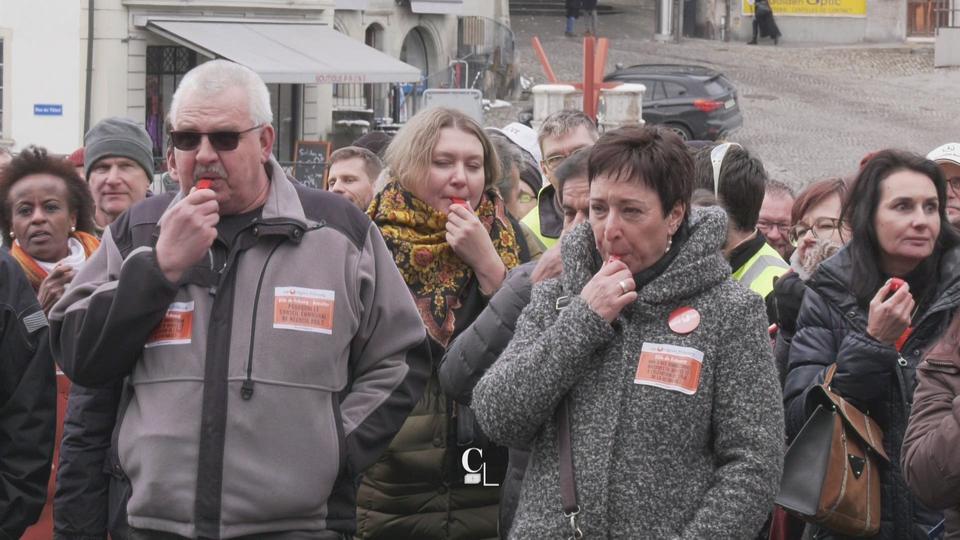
[
  {"x": 765, "y": 22},
  {"x": 470, "y": 355},
  {"x": 28, "y": 394},
  {"x": 92, "y": 491},
  {"x": 872, "y": 375}
]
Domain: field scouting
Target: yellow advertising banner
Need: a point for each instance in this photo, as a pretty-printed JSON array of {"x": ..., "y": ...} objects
[{"x": 815, "y": 8}]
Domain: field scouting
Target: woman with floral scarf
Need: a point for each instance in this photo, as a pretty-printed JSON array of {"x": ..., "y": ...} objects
[{"x": 453, "y": 243}]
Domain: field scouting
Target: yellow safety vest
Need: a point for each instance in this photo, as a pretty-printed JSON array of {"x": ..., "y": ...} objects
[
  {"x": 532, "y": 219},
  {"x": 759, "y": 272}
]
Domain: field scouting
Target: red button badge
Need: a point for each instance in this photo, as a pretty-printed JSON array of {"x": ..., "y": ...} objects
[{"x": 684, "y": 320}]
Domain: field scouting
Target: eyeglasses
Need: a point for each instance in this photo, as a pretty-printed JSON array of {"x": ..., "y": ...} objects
[
  {"x": 553, "y": 161},
  {"x": 765, "y": 226},
  {"x": 526, "y": 198},
  {"x": 221, "y": 141},
  {"x": 954, "y": 183},
  {"x": 821, "y": 227}
]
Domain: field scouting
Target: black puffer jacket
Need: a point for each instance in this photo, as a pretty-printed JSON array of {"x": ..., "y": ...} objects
[
  {"x": 470, "y": 355},
  {"x": 28, "y": 397},
  {"x": 872, "y": 375}
]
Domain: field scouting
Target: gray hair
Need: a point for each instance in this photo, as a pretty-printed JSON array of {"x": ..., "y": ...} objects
[
  {"x": 509, "y": 157},
  {"x": 564, "y": 121},
  {"x": 214, "y": 77},
  {"x": 776, "y": 187}
]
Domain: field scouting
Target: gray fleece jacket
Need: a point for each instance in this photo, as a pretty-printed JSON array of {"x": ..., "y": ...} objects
[{"x": 649, "y": 462}]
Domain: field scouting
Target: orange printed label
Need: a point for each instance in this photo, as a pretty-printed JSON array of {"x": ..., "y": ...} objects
[
  {"x": 176, "y": 328},
  {"x": 304, "y": 310},
  {"x": 669, "y": 367}
]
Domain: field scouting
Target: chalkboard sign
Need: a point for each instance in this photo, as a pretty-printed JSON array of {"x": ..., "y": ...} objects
[{"x": 310, "y": 162}]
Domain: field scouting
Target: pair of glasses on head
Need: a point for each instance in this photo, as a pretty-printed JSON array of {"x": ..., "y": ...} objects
[
  {"x": 221, "y": 141},
  {"x": 821, "y": 228}
]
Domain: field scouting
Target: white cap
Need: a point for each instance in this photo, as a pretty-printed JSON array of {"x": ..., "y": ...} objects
[
  {"x": 524, "y": 137},
  {"x": 949, "y": 152}
]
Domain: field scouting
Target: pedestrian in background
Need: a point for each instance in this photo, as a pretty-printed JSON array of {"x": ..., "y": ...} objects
[
  {"x": 589, "y": 8},
  {"x": 48, "y": 212},
  {"x": 947, "y": 157},
  {"x": 448, "y": 230},
  {"x": 572, "y": 8},
  {"x": 763, "y": 22},
  {"x": 353, "y": 170},
  {"x": 90, "y": 500},
  {"x": 626, "y": 375},
  {"x": 852, "y": 317},
  {"x": 818, "y": 233},
  {"x": 774, "y": 219}
]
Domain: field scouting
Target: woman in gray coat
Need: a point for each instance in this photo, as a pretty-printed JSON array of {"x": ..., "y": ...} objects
[{"x": 661, "y": 361}]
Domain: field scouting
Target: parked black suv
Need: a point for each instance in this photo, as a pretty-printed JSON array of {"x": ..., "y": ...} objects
[{"x": 696, "y": 102}]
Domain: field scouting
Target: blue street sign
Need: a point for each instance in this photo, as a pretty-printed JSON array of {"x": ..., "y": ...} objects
[{"x": 47, "y": 109}]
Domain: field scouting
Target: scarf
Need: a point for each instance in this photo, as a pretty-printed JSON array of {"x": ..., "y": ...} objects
[
  {"x": 416, "y": 235},
  {"x": 36, "y": 273}
]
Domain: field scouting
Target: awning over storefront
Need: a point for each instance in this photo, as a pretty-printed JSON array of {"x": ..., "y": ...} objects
[
  {"x": 442, "y": 7},
  {"x": 289, "y": 53}
]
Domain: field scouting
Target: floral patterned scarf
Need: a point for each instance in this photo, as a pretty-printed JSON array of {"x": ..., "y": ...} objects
[
  {"x": 416, "y": 235},
  {"x": 35, "y": 273}
]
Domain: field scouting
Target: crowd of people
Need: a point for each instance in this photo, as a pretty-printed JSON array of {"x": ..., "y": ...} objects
[{"x": 471, "y": 333}]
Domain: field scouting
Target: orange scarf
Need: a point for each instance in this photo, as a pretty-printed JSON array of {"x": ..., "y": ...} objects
[{"x": 35, "y": 273}]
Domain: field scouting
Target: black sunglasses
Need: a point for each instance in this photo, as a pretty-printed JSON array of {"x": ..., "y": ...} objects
[{"x": 221, "y": 141}]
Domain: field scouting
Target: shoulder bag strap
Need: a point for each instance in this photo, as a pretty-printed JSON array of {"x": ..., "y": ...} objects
[{"x": 568, "y": 483}]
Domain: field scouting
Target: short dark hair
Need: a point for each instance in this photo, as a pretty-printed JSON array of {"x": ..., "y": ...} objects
[
  {"x": 816, "y": 193},
  {"x": 35, "y": 160},
  {"x": 860, "y": 209},
  {"x": 741, "y": 186},
  {"x": 652, "y": 156},
  {"x": 371, "y": 163},
  {"x": 574, "y": 166}
]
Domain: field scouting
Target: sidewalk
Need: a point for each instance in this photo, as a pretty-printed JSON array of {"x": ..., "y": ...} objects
[{"x": 810, "y": 111}]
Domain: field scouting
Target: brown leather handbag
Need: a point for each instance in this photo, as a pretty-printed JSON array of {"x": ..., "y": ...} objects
[{"x": 831, "y": 473}]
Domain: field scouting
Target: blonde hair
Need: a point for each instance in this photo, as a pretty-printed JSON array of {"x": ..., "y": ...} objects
[{"x": 411, "y": 151}]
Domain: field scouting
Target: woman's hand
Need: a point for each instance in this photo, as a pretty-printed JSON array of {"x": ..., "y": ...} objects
[
  {"x": 471, "y": 242},
  {"x": 610, "y": 290},
  {"x": 53, "y": 286},
  {"x": 889, "y": 317}
]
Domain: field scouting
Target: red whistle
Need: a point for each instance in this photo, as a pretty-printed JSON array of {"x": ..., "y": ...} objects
[
  {"x": 614, "y": 258},
  {"x": 205, "y": 183},
  {"x": 458, "y": 200},
  {"x": 895, "y": 284}
]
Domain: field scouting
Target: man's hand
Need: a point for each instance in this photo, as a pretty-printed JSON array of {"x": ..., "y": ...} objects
[
  {"x": 549, "y": 266},
  {"x": 186, "y": 232},
  {"x": 53, "y": 286}
]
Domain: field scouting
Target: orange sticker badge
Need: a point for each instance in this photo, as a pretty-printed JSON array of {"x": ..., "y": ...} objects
[
  {"x": 669, "y": 367},
  {"x": 304, "y": 310},
  {"x": 176, "y": 328}
]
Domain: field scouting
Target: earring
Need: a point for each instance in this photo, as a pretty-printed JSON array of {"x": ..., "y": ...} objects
[
  {"x": 11, "y": 235},
  {"x": 73, "y": 228},
  {"x": 669, "y": 244}
]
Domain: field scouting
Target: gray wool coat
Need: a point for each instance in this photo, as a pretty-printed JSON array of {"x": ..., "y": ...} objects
[{"x": 649, "y": 462}]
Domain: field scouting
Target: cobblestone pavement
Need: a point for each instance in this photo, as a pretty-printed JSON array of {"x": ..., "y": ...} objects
[{"x": 810, "y": 111}]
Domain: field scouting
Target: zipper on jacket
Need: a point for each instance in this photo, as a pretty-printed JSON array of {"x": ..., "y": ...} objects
[{"x": 246, "y": 389}]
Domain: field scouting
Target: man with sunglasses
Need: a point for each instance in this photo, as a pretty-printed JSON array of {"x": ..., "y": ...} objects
[
  {"x": 947, "y": 157},
  {"x": 268, "y": 347}
]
